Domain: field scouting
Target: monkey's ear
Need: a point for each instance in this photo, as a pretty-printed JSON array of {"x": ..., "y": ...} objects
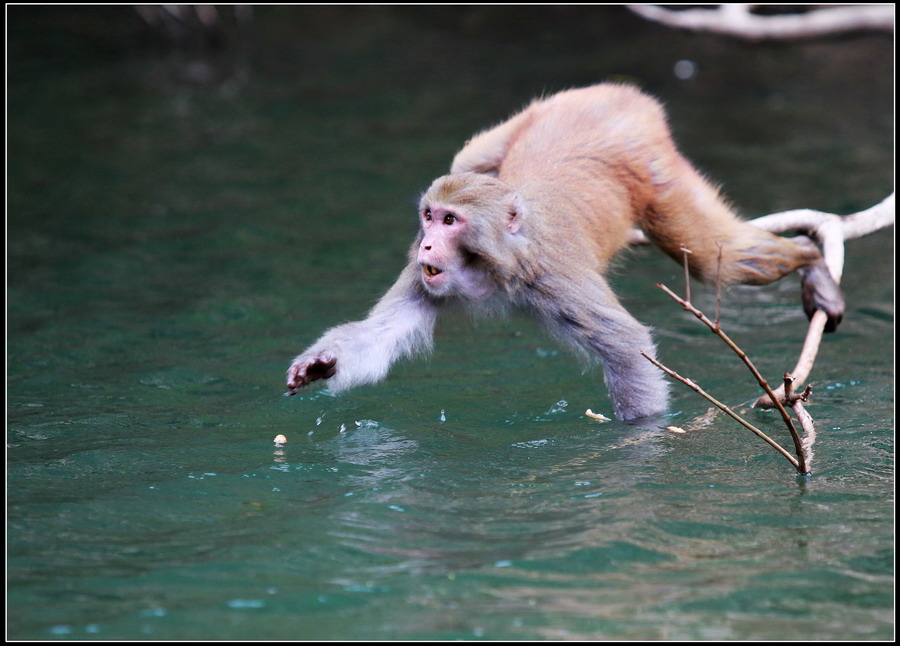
[{"x": 514, "y": 209}]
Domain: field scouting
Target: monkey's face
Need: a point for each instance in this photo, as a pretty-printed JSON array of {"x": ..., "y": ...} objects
[
  {"x": 439, "y": 255},
  {"x": 465, "y": 220},
  {"x": 448, "y": 267}
]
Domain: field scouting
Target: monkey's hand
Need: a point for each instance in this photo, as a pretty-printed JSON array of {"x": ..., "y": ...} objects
[
  {"x": 820, "y": 292},
  {"x": 308, "y": 368}
]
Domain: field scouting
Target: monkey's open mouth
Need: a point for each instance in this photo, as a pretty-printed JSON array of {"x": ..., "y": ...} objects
[{"x": 430, "y": 270}]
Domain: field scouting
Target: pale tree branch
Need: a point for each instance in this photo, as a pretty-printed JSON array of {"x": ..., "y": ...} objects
[
  {"x": 738, "y": 20},
  {"x": 830, "y": 231},
  {"x": 802, "y": 446},
  {"x": 725, "y": 409},
  {"x": 717, "y": 330},
  {"x": 796, "y": 401}
]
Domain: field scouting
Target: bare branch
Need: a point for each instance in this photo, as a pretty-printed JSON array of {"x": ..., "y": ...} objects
[
  {"x": 805, "y": 361},
  {"x": 809, "y": 430},
  {"x": 637, "y": 238},
  {"x": 738, "y": 20},
  {"x": 725, "y": 409},
  {"x": 687, "y": 274},
  {"x": 747, "y": 362},
  {"x": 795, "y": 401},
  {"x": 719, "y": 285},
  {"x": 853, "y": 226},
  {"x": 830, "y": 231}
]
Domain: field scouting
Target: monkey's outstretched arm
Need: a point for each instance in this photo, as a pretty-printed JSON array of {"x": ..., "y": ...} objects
[{"x": 362, "y": 352}]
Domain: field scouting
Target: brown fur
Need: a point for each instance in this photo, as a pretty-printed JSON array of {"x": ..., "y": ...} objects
[{"x": 602, "y": 160}]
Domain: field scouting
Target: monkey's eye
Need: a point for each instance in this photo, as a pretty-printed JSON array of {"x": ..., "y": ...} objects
[
  {"x": 449, "y": 219},
  {"x": 427, "y": 215}
]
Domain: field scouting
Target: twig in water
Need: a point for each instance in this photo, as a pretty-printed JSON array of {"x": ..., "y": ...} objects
[
  {"x": 795, "y": 401},
  {"x": 715, "y": 402},
  {"x": 743, "y": 356},
  {"x": 687, "y": 276},
  {"x": 800, "y": 461},
  {"x": 719, "y": 285}
]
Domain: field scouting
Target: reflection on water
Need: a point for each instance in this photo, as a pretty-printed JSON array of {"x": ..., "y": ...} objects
[{"x": 176, "y": 236}]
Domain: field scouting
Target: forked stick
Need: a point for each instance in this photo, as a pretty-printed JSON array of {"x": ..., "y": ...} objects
[
  {"x": 715, "y": 402},
  {"x": 800, "y": 462},
  {"x": 830, "y": 231}
]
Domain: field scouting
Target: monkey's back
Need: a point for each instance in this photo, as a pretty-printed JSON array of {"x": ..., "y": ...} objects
[{"x": 588, "y": 158}]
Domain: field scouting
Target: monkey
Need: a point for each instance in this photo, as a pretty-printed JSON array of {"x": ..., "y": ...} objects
[{"x": 532, "y": 213}]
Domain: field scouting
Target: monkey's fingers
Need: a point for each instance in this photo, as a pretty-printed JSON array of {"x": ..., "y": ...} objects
[
  {"x": 304, "y": 372},
  {"x": 322, "y": 367}
]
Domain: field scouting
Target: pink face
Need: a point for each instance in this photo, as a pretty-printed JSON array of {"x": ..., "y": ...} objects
[{"x": 439, "y": 254}]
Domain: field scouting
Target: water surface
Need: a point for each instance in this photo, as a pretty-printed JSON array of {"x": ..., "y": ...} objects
[{"x": 181, "y": 222}]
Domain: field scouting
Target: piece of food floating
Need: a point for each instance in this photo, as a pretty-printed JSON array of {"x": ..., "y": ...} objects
[
  {"x": 280, "y": 439},
  {"x": 596, "y": 416}
]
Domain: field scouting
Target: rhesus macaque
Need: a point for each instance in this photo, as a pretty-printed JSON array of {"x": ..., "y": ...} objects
[{"x": 531, "y": 214}]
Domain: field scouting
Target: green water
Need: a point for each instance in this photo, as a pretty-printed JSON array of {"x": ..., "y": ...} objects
[{"x": 181, "y": 223}]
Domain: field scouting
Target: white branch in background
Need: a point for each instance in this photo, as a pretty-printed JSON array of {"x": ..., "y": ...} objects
[{"x": 738, "y": 20}]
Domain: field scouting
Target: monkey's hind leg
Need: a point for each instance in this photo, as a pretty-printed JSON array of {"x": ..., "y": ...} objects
[
  {"x": 758, "y": 257},
  {"x": 692, "y": 215}
]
